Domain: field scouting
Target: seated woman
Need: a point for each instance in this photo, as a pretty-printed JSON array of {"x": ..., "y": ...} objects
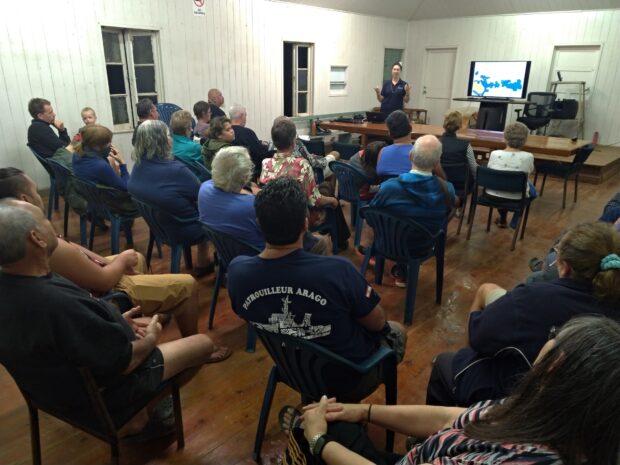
[
  {"x": 508, "y": 328},
  {"x": 202, "y": 112},
  {"x": 183, "y": 145},
  {"x": 512, "y": 158},
  {"x": 455, "y": 150},
  {"x": 366, "y": 161},
  {"x": 168, "y": 184},
  {"x": 566, "y": 410},
  {"x": 221, "y": 134}
]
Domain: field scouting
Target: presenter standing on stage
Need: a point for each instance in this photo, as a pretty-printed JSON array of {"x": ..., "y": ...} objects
[{"x": 394, "y": 92}]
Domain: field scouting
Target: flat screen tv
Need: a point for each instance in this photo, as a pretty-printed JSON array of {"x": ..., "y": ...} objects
[{"x": 498, "y": 79}]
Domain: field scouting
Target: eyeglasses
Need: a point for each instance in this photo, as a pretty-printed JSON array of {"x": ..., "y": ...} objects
[{"x": 553, "y": 332}]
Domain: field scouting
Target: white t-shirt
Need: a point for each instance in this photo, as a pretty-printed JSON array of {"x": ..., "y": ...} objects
[{"x": 510, "y": 161}]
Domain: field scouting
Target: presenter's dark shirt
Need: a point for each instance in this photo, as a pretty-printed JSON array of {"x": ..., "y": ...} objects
[{"x": 393, "y": 96}]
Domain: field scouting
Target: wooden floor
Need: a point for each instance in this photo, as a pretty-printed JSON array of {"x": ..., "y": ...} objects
[{"x": 221, "y": 405}]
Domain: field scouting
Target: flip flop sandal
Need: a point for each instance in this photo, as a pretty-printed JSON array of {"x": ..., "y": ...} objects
[
  {"x": 288, "y": 418},
  {"x": 220, "y": 354}
]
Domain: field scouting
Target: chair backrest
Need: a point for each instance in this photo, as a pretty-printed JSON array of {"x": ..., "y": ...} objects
[
  {"x": 165, "y": 111},
  {"x": 458, "y": 175},
  {"x": 315, "y": 146},
  {"x": 90, "y": 191},
  {"x": 541, "y": 104},
  {"x": 398, "y": 238},
  {"x": 350, "y": 180},
  {"x": 43, "y": 162},
  {"x": 314, "y": 371},
  {"x": 62, "y": 173},
  {"x": 153, "y": 216},
  {"x": 200, "y": 170},
  {"x": 500, "y": 180},
  {"x": 346, "y": 151},
  {"x": 228, "y": 246},
  {"x": 581, "y": 156}
]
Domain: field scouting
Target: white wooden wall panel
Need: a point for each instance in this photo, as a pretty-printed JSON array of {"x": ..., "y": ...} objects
[
  {"x": 527, "y": 37},
  {"x": 54, "y": 50}
]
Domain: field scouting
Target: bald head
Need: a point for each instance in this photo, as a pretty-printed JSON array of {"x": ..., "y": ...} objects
[
  {"x": 426, "y": 153},
  {"x": 215, "y": 97}
]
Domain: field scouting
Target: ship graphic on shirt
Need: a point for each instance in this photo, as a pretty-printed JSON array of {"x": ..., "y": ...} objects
[{"x": 284, "y": 323}]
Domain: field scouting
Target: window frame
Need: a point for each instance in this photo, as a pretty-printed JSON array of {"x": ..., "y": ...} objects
[
  {"x": 309, "y": 78},
  {"x": 338, "y": 91}
]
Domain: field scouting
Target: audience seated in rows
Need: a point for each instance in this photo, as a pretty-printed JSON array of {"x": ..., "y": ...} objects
[
  {"x": 287, "y": 290},
  {"x": 183, "y": 145},
  {"x": 202, "y": 112},
  {"x": 508, "y": 328},
  {"x": 366, "y": 161},
  {"x": 512, "y": 158},
  {"x": 49, "y": 328},
  {"x": 247, "y": 138},
  {"x": 455, "y": 150},
  {"x": 168, "y": 184},
  {"x": 566, "y": 410},
  {"x": 146, "y": 110},
  {"x": 220, "y": 134},
  {"x": 216, "y": 102},
  {"x": 41, "y": 137}
]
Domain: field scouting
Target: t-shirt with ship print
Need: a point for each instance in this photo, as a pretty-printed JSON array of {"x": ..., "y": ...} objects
[{"x": 307, "y": 296}]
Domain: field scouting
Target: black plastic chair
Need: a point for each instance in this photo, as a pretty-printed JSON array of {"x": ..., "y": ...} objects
[
  {"x": 350, "y": 180},
  {"x": 99, "y": 199},
  {"x": 538, "y": 113},
  {"x": 506, "y": 181},
  {"x": 64, "y": 176},
  {"x": 314, "y": 371},
  {"x": 346, "y": 151},
  {"x": 52, "y": 202},
  {"x": 329, "y": 226},
  {"x": 315, "y": 146},
  {"x": 229, "y": 247},
  {"x": 165, "y": 111},
  {"x": 564, "y": 170},
  {"x": 200, "y": 170},
  {"x": 94, "y": 418},
  {"x": 403, "y": 240},
  {"x": 458, "y": 175},
  {"x": 158, "y": 233}
]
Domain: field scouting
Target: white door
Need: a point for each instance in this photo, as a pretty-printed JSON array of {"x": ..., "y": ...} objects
[
  {"x": 575, "y": 63},
  {"x": 437, "y": 83}
]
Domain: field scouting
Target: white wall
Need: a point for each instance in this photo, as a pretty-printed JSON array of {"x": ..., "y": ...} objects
[
  {"x": 527, "y": 37},
  {"x": 53, "y": 49}
]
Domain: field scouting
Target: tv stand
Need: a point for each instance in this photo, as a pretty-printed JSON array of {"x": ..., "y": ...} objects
[{"x": 492, "y": 112}]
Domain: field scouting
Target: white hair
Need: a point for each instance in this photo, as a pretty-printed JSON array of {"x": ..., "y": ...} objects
[
  {"x": 231, "y": 168},
  {"x": 237, "y": 111}
]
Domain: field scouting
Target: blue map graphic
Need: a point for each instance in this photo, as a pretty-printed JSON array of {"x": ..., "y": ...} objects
[{"x": 482, "y": 84}]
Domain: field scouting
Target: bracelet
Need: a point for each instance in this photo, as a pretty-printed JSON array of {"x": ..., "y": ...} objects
[{"x": 368, "y": 416}]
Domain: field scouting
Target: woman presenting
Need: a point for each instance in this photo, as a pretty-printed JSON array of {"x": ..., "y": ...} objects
[{"x": 394, "y": 92}]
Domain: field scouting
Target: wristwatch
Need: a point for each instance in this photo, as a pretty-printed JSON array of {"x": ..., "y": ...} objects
[{"x": 318, "y": 442}]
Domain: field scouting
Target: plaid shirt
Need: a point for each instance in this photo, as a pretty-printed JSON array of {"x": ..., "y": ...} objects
[{"x": 295, "y": 167}]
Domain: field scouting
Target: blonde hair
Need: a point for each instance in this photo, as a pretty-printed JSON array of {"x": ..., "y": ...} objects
[
  {"x": 180, "y": 122},
  {"x": 85, "y": 109},
  {"x": 452, "y": 121}
]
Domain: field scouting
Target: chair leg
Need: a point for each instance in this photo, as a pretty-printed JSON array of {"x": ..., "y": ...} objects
[
  {"x": 439, "y": 258},
  {"x": 250, "y": 341},
  {"x": 354, "y": 216},
  {"x": 178, "y": 416},
  {"x": 527, "y": 212},
  {"x": 576, "y": 186},
  {"x": 149, "y": 250},
  {"x": 463, "y": 209},
  {"x": 50, "y": 201},
  {"x": 114, "y": 452},
  {"x": 359, "y": 224},
  {"x": 115, "y": 232},
  {"x": 56, "y": 197},
  {"x": 472, "y": 215},
  {"x": 535, "y": 178},
  {"x": 489, "y": 219},
  {"x": 366, "y": 260},
  {"x": 187, "y": 254},
  {"x": 175, "y": 259},
  {"x": 564, "y": 193},
  {"x": 216, "y": 291},
  {"x": 66, "y": 220},
  {"x": 516, "y": 233},
  {"x": 35, "y": 438},
  {"x": 542, "y": 187},
  {"x": 264, "y": 413},
  {"x": 92, "y": 232},
  {"x": 379, "y": 267},
  {"x": 83, "y": 228},
  {"x": 413, "y": 270}
]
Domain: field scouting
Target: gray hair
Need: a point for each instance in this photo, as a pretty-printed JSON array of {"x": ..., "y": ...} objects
[
  {"x": 231, "y": 168},
  {"x": 152, "y": 142},
  {"x": 237, "y": 111},
  {"x": 16, "y": 224},
  {"x": 426, "y": 152},
  {"x": 516, "y": 135}
]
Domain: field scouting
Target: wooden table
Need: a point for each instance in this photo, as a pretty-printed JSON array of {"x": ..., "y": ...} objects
[{"x": 557, "y": 146}]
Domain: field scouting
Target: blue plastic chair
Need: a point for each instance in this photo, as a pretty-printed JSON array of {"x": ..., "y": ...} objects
[
  {"x": 228, "y": 247},
  {"x": 506, "y": 181},
  {"x": 165, "y": 111},
  {"x": 346, "y": 151},
  {"x": 315, "y": 146},
  {"x": 458, "y": 175},
  {"x": 64, "y": 176},
  {"x": 350, "y": 180},
  {"x": 98, "y": 198},
  {"x": 52, "y": 202},
  {"x": 314, "y": 371},
  {"x": 405, "y": 241},
  {"x": 200, "y": 170},
  {"x": 564, "y": 170},
  {"x": 158, "y": 233}
]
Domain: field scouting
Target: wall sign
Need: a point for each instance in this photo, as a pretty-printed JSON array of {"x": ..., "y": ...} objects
[{"x": 199, "y": 7}]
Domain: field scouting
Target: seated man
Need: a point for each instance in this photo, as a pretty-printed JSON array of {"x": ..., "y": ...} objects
[
  {"x": 146, "y": 110},
  {"x": 41, "y": 138},
  {"x": 418, "y": 194},
  {"x": 174, "y": 294},
  {"x": 49, "y": 328},
  {"x": 394, "y": 159},
  {"x": 287, "y": 290},
  {"x": 247, "y": 138},
  {"x": 216, "y": 101}
]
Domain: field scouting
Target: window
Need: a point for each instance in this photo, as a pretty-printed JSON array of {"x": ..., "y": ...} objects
[
  {"x": 338, "y": 80},
  {"x": 133, "y": 72},
  {"x": 298, "y": 79},
  {"x": 391, "y": 56}
]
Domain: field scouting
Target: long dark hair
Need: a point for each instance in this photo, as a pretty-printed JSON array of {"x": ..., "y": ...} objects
[
  {"x": 569, "y": 401},
  {"x": 371, "y": 153}
]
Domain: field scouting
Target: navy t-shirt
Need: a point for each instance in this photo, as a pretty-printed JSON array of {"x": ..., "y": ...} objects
[
  {"x": 308, "y": 296},
  {"x": 393, "y": 96}
]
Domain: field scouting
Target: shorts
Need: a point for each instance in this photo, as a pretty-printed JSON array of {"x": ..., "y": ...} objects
[
  {"x": 494, "y": 295},
  {"x": 396, "y": 340}
]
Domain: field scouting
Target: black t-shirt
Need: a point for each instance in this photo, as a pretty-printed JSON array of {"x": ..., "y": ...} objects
[
  {"x": 216, "y": 111},
  {"x": 247, "y": 138},
  {"x": 43, "y": 140},
  {"x": 49, "y": 327},
  {"x": 308, "y": 296},
  {"x": 393, "y": 96}
]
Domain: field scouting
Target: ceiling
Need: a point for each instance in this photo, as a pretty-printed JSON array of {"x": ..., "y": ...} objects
[{"x": 413, "y": 10}]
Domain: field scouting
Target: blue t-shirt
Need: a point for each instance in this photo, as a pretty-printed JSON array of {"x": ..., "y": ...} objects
[
  {"x": 230, "y": 212},
  {"x": 307, "y": 296},
  {"x": 394, "y": 160},
  {"x": 393, "y": 96}
]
